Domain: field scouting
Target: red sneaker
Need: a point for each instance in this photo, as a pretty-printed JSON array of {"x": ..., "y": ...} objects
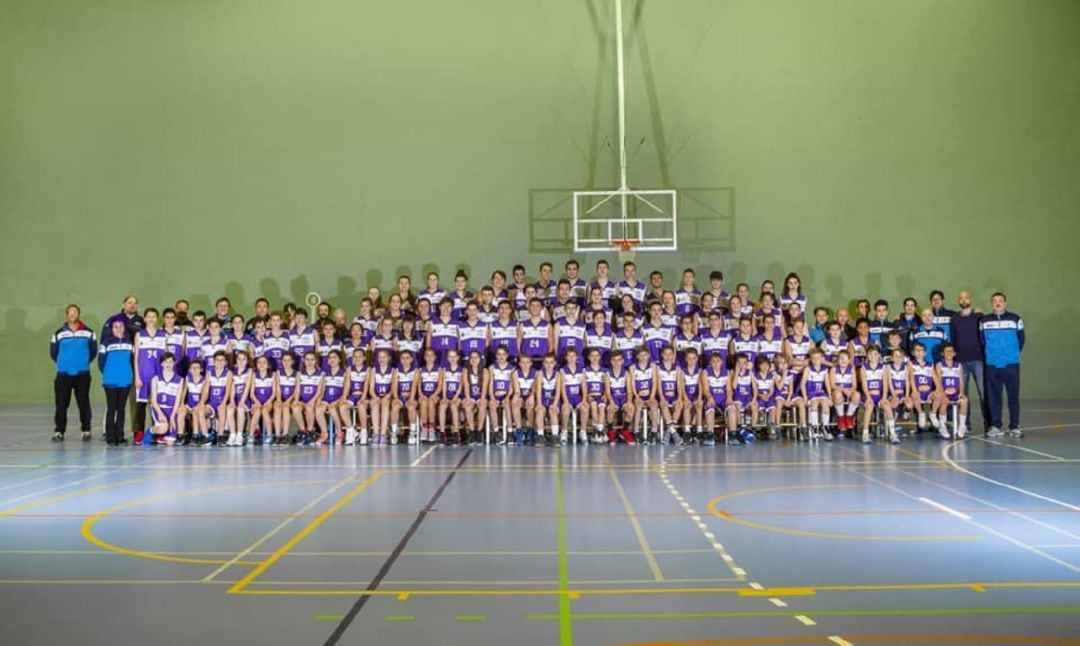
[
  {"x": 611, "y": 435},
  {"x": 627, "y": 436}
]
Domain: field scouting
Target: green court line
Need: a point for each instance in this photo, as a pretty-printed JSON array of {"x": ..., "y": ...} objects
[
  {"x": 398, "y": 617},
  {"x": 471, "y": 617},
  {"x": 566, "y": 627},
  {"x": 816, "y": 613},
  {"x": 329, "y": 617}
]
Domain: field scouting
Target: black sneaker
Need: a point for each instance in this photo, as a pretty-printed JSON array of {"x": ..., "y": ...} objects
[{"x": 86, "y": 436}]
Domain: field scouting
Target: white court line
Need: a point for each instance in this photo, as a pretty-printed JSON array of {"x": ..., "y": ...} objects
[
  {"x": 1020, "y": 448},
  {"x": 993, "y": 505},
  {"x": 945, "y": 456},
  {"x": 779, "y": 603},
  {"x": 981, "y": 526},
  {"x": 282, "y": 525},
  {"x": 110, "y": 471},
  {"x": 947, "y": 510},
  {"x": 1058, "y": 547},
  {"x": 839, "y": 641},
  {"x": 423, "y": 455},
  {"x": 806, "y": 621}
]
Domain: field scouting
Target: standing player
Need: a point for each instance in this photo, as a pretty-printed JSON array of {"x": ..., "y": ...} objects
[
  {"x": 433, "y": 292},
  {"x": 655, "y": 334},
  {"x": 356, "y": 399},
  {"x": 578, "y": 286},
  {"x": 240, "y": 401},
  {"x": 631, "y": 286},
  {"x": 503, "y": 332},
  {"x": 310, "y": 385},
  {"x": 301, "y": 337},
  {"x": 770, "y": 342},
  {"x": 570, "y": 335},
  {"x": 535, "y": 333},
  {"x": 149, "y": 348},
  {"x": 474, "y": 388},
  {"x": 443, "y": 331},
  {"x": 744, "y": 341},
  {"x": 193, "y": 341},
  {"x": 688, "y": 296},
  {"x": 608, "y": 288},
  {"x": 628, "y": 340}
]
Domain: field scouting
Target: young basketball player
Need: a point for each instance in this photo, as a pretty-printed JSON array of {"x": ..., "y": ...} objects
[
  {"x": 504, "y": 332},
  {"x": 310, "y": 384},
  {"x": 599, "y": 337},
  {"x": 617, "y": 391},
  {"x": 219, "y": 380},
  {"x": 380, "y": 393},
  {"x": 535, "y": 333},
  {"x": 335, "y": 385},
  {"x": 900, "y": 381},
  {"x": 922, "y": 373},
  {"x": 166, "y": 392},
  {"x": 500, "y": 379},
  {"x": 873, "y": 378},
  {"x": 523, "y": 397},
  {"x": 285, "y": 409},
  {"x": 149, "y": 348},
  {"x": 428, "y": 395},
  {"x": 715, "y": 384},
  {"x": 949, "y": 384},
  {"x": 789, "y": 395},
  {"x": 643, "y": 377},
  {"x": 572, "y": 396},
  {"x": 450, "y": 398},
  {"x": 474, "y": 390},
  {"x": 193, "y": 406},
  {"x": 404, "y": 399},
  {"x": 765, "y": 399},
  {"x": 239, "y": 401},
  {"x": 595, "y": 378},
  {"x": 691, "y": 396},
  {"x": 742, "y": 391},
  {"x": 745, "y": 342},
  {"x": 817, "y": 393},
  {"x": 688, "y": 296},
  {"x": 845, "y": 392},
  {"x": 548, "y": 400},
  {"x": 628, "y": 340},
  {"x": 669, "y": 402},
  {"x": 263, "y": 395}
]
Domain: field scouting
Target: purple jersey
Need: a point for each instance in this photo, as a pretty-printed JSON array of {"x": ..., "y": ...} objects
[
  {"x": 357, "y": 381},
  {"x": 814, "y": 378},
  {"x": 717, "y": 382},
  {"x": 451, "y": 382},
  {"x": 167, "y": 394},
  {"x": 874, "y": 381},
  {"x": 898, "y": 378},
  {"x": 212, "y": 346},
  {"x": 601, "y": 340},
  {"x": 323, "y": 348},
  {"x": 570, "y": 335},
  {"x": 501, "y": 378},
  {"x": 770, "y": 344},
  {"x": 193, "y": 391},
  {"x": 788, "y": 386},
  {"x": 239, "y": 384},
  {"x": 951, "y": 376},
  {"x": 219, "y": 383},
  {"x": 262, "y": 388},
  {"x": 799, "y": 347},
  {"x": 636, "y": 291},
  {"x": 525, "y": 381},
  {"x": 643, "y": 380},
  {"x": 743, "y": 389},
  {"x": 924, "y": 379},
  {"x": 656, "y": 337},
  {"x": 573, "y": 385},
  {"x": 608, "y": 289},
  {"x": 683, "y": 342},
  {"x": 534, "y": 339},
  {"x": 745, "y": 345},
  {"x": 194, "y": 342},
  {"x": 475, "y": 383},
  {"x": 549, "y": 384},
  {"x": 383, "y": 381},
  {"x": 472, "y": 337},
  {"x": 444, "y": 335},
  {"x": 429, "y": 381},
  {"x": 333, "y": 385},
  {"x": 766, "y": 389},
  {"x": 858, "y": 347},
  {"x": 504, "y": 336},
  {"x": 594, "y": 383},
  {"x": 669, "y": 381},
  {"x": 691, "y": 382},
  {"x": 618, "y": 384},
  {"x": 714, "y": 344},
  {"x": 434, "y": 295},
  {"x": 460, "y": 300},
  {"x": 308, "y": 383},
  {"x": 832, "y": 348},
  {"x": 148, "y": 359},
  {"x": 687, "y": 301},
  {"x": 844, "y": 377},
  {"x": 286, "y": 385},
  {"x": 237, "y": 344},
  {"x": 367, "y": 327},
  {"x": 174, "y": 342},
  {"x": 413, "y": 344},
  {"x": 275, "y": 347},
  {"x": 627, "y": 345},
  {"x": 301, "y": 342}
]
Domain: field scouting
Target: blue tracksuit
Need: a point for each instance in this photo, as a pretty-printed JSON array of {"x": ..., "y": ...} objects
[
  {"x": 1003, "y": 341},
  {"x": 115, "y": 363},
  {"x": 73, "y": 349}
]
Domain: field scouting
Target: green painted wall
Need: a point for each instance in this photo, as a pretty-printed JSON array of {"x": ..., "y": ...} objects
[{"x": 272, "y": 147}]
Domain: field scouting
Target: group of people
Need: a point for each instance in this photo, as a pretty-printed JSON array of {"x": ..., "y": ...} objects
[{"x": 546, "y": 362}]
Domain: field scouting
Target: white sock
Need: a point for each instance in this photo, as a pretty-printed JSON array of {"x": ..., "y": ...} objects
[
  {"x": 813, "y": 418},
  {"x": 851, "y": 408},
  {"x": 922, "y": 419},
  {"x": 394, "y": 428},
  {"x": 825, "y": 418},
  {"x": 839, "y": 410}
]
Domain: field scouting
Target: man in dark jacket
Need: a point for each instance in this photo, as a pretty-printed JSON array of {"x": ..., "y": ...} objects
[
  {"x": 129, "y": 314},
  {"x": 72, "y": 348},
  {"x": 964, "y": 331}
]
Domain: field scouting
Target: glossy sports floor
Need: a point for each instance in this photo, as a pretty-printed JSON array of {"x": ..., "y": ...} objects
[{"x": 927, "y": 542}]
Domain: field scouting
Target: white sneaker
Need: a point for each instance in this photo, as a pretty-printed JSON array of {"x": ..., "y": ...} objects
[
  {"x": 350, "y": 436},
  {"x": 363, "y": 437},
  {"x": 893, "y": 438},
  {"x": 866, "y": 436},
  {"x": 562, "y": 438},
  {"x": 943, "y": 433},
  {"x": 935, "y": 421},
  {"x": 960, "y": 432},
  {"x": 411, "y": 439},
  {"x": 393, "y": 438},
  {"x": 582, "y": 437},
  {"x": 995, "y": 432}
]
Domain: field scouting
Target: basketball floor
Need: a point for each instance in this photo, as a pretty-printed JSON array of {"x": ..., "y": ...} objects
[{"x": 926, "y": 542}]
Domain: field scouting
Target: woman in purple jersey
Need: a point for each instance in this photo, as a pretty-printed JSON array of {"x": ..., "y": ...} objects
[
  {"x": 474, "y": 387},
  {"x": 405, "y": 378},
  {"x": 149, "y": 347},
  {"x": 326, "y": 344},
  {"x": 450, "y": 398},
  {"x": 166, "y": 393},
  {"x": 667, "y": 381},
  {"x": 548, "y": 398},
  {"x": 571, "y": 388},
  {"x": 428, "y": 395},
  {"x": 617, "y": 393},
  {"x": 792, "y": 293},
  {"x": 263, "y": 397},
  {"x": 598, "y": 336},
  {"x": 353, "y": 406},
  {"x": 309, "y": 384},
  {"x": 285, "y": 407},
  {"x": 367, "y": 320},
  {"x": 240, "y": 399},
  {"x": 499, "y": 381},
  {"x": 236, "y": 339},
  {"x": 380, "y": 393},
  {"x": 522, "y": 397},
  {"x": 384, "y": 339},
  {"x": 335, "y": 385}
]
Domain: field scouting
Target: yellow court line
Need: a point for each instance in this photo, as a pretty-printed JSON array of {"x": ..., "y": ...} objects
[
  {"x": 638, "y": 531},
  {"x": 88, "y": 525},
  {"x": 972, "y": 586},
  {"x": 302, "y": 534},
  {"x": 715, "y": 511}
]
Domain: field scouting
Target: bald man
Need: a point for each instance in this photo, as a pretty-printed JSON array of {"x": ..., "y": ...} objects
[{"x": 964, "y": 331}]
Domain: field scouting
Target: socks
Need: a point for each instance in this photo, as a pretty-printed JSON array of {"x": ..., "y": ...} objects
[
  {"x": 825, "y": 418},
  {"x": 851, "y": 408},
  {"x": 813, "y": 418}
]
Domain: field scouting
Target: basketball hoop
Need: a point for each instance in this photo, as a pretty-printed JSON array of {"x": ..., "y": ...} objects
[{"x": 626, "y": 247}]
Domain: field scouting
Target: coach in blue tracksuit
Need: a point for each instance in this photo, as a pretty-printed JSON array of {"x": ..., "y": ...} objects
[
  {"x": 1003, "y": 340},
  {"x": 72, "y": 347}
]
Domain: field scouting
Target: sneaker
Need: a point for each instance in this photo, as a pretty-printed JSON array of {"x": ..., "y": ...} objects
[
  {"x": 893, "y": 439},
  {"x": 1015, "y": 432},
  {"x": 562, "y": 438},
  {"x": 866, "y": 437},
  {"x": 943, "y": 433},
  {"x": 363, "y": 437},
  {"x": 411, "y": 439},
  {"x": 995, "y": 432},
  {"x": 826, "y": 435},
  {"x": 58, "y": 437},
  {"x": 86, "y": 436},
  {"x": 961, "y": 432},
  {"x": 393, "y": 438},
  {"x": 582, "y": 437}
]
